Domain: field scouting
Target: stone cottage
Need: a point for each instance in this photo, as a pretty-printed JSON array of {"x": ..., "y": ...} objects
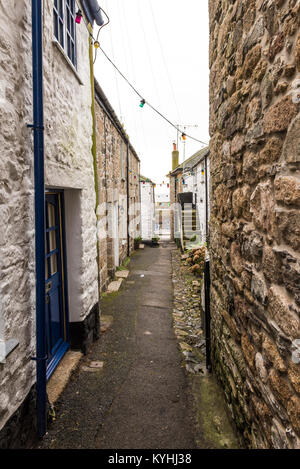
[
  {"x": 189, "y": 189},
  {"x": 255, "y": 219},
  {"x": 118, "y": 174},
  {"x": 71, "y": 273}
]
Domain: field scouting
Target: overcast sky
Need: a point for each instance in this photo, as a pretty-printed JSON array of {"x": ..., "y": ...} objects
[{"x": 161, "y": 46}]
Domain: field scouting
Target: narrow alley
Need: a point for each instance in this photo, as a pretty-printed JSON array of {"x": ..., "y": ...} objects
[
  {"x": 140, "y": 398},
  {"x": 150, "y": 225}
]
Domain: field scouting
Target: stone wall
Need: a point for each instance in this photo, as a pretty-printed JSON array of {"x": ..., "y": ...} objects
[
  {"x": 17, "y": 295},
  {"x": 134, "y": 199},
  {"x": 111, "y": 144},
  {"x": 68, "y": 166},
  {"x": 255, "y": 220},
  {"x": 68, "y": 157}
]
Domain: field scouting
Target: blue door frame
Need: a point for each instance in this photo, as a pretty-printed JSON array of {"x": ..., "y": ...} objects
[{"x": 56, "y": 309}]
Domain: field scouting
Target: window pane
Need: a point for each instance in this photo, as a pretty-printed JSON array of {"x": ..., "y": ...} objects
[
  {"x": 53, "y": 264},
  {"x": 61, "y": 34},
  {"x": 61, "y": 8},
  {"x": 55, "y": 25},
  {"x": 51, "y": 215},
  {"x": 46, "y": 260},
  {"x": 71, "y": 30},
  {"x": 52, "y": 240}
]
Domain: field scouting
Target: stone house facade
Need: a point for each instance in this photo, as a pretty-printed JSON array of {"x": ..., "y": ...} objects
[
  {"x": 255, "y": 219},
  {"x": 118, "y": 173},
  {"x": 71, "y": 277}
]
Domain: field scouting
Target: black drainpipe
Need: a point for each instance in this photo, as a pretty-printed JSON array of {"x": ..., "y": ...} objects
[
  {"x": 207, "y": 313},
  {"x": 39, "y": 203},
  {"x": 127, "y": 173},
  {"x": 206, "y": 204},
  {"x": 207, "y": 278}
]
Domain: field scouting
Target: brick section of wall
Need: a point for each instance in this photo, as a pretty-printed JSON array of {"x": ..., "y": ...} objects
[{"x": 255, "y": 220}]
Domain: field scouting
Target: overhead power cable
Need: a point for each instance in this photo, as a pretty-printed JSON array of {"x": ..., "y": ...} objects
[
  {"x": 146, "y": 102},
  {"x": 133, "y": 88}
]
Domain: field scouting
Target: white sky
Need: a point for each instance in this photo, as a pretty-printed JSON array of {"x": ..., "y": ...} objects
[{"x": 161, "y": 46}]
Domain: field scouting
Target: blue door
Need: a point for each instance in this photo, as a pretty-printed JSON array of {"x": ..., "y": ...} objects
[{"x": 56, "y": 306}]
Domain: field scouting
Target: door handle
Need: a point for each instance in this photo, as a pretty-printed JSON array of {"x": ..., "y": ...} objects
[{"x": 48, "y": 287}]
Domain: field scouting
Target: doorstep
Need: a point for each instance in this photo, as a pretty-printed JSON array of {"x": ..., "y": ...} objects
[{"x": 61, "y": 375}]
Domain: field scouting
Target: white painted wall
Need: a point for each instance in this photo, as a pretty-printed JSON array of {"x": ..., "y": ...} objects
[
  {"x": 68, "y": 165},
  {"x": 147, "y": 211},
  {"x": 195, "y": 182}
]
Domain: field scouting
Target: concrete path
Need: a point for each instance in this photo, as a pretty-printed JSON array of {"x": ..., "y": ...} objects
[{"x": 140, "y": 398}]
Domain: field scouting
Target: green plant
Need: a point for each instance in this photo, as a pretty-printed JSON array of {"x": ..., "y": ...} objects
[{"x": 124, "y": 264}]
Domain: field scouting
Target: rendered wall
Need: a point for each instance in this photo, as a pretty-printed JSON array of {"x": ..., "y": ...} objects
[{"x": 68, "y": 166}]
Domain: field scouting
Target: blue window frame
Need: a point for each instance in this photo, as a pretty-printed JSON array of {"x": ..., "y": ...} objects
[
  {"x": 64, "y": 27},
  {"x": 58, "y": 18}
]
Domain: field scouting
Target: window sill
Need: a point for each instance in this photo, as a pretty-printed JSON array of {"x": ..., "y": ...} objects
[
  {"x": 67, "y": 60},
  {"x": 6, "y": 347}
]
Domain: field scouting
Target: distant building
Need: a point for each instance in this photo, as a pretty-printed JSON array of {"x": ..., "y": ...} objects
[
  {"x": 189, "y": 197},
  {"x": 162, "y": 210},
  {"x": 147, "y": 208}
]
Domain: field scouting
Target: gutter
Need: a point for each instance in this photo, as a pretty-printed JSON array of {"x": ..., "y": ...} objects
[
  {"x": 39, "y": 205},
  {"x": 92, "y": 11}
]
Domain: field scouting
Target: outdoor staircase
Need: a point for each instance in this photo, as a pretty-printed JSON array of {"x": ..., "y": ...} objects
[{"x": 190, "y": 226}]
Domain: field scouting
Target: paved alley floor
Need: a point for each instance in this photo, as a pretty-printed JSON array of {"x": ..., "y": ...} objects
[{"x": 141, "y": 397}]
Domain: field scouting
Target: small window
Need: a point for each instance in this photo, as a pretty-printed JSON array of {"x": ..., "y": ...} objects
[{"x": 64, "y": 26}]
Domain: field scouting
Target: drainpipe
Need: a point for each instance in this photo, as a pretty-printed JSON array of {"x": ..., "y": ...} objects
[
  {"x": 207, "y": 279},
  {"x": 207, "y": 314},
  {"x": 94, "y": 154},
  {"x": 127, "y": 187},
  {"x": 39, "y": 205},
  {"x": 206, "y": 204}
]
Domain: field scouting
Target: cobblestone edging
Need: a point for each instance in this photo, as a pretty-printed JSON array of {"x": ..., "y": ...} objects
[
  {"x": 214, "y": 427},
  {"x": 187, "y": 315}
]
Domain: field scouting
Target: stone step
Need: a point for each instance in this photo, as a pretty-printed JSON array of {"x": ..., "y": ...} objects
[
  {"x": 122, "y": 273},
  {"x": 114, "y": 285}
]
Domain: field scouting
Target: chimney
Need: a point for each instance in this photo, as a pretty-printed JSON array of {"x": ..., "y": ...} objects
[{"x": 175, "y": 157}]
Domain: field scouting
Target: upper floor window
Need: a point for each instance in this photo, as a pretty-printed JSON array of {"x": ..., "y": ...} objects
[{"x": 64, "y": 26}]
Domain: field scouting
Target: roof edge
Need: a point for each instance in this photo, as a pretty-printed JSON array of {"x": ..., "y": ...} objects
[{"x": 107, "y": 107}]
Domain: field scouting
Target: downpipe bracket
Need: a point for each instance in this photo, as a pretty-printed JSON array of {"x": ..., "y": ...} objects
[{"x": 35, "y": 127}]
